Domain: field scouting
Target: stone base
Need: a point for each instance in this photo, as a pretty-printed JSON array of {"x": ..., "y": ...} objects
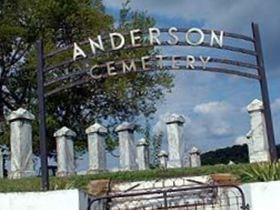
[
  {"x": 94, "y": 171},
  {"x": 174, "y": 164},
  {"x": 261, "y": 156},
  {"x": 64, "y": 173},
  {"x": 21, "y": 174}
]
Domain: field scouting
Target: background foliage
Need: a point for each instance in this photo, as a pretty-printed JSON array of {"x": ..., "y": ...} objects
[{"x": 60, "y": 23}]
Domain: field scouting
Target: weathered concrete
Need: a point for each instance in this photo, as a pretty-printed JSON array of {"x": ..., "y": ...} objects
[
  {"x": 163, "y": 159},
  {"x": 195, "y": 158},
  {"x": 65, "y": 152},
  {"x": 96, "y": 148},
  {"x": 257, "y": 136},
  {"x": 51, "y": 200},
  {"x": 259, "y": 196},
  {"x": 127, "y": 146},
  {"x": 143, "y": 158},
  {"x": 176, "y": 144},
  {"x": 21, "y": 144}
]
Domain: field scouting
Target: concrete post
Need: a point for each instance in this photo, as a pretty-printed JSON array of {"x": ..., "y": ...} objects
[
  {"x": 21, "y": 144},
  {"x": 195, "y": 157},
  {"x": 65, "y": 152},
  {"x": 163, "y": 159},
  {"x": 257, "y": 136},
  {"x": 176, "y": 145},
  {"x": 96, "y": 148},
  {"x": 143, "y": 158},
  {"x": 127, "y": 146}
]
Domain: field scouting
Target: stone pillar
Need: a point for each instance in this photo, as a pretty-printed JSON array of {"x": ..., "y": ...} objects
[
  {"x": 143, "y": 158},
  {"x": 127, "y": 146},
  {"x": 163, "y": 159},
  {"x": 65, "y": 152},
  {"x": 1, "y": 164},
  {"x": 176, "y": 146},
  {"x": 257, "y": 136},
  {"x": 21, "y": 144},
  {"x": 195, "y": 157},
  {"x": 96, "y": 148}
]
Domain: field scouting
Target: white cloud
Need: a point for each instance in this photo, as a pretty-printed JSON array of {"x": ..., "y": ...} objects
[
  {"x": 215, "y": 117},
  {"x": 212, "y": 107},
  {"x": 241, "y": 140}
]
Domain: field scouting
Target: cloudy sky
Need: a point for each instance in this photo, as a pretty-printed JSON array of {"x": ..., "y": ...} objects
[{"x": 214, "y": 104}]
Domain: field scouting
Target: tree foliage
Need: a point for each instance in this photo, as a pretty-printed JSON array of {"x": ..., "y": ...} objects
[
  {"x": 60, "y": 23},
  {"x": 236, "y": 153}
]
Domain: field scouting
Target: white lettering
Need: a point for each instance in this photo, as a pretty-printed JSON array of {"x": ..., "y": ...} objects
[
  {"x": 113, "y": 43},
  {"x": 215, "y": 38},
  {"x": 111, "y": 69},
  {"x": 204, "y": 61},
  {"x": 175, "y": 62},
  {"x": 171, "y": 32},
  {"x": 135, "y": 38},
  {"x": 78, "y": 52},
  {"x": 144, "y": 60},
  {"x": 92, "y": 74},
  {"x": 95, "y": 45},
  {"x": 160, "y": 61},
  {"x": 154, "y": 36},
  {"x": 130, "y": 68},
  {"x": 197, "y": 42},
  {"x": 190, "y": 62}
]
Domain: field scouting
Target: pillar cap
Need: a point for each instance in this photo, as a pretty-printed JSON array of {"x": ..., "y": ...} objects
[
  {"x": 142, "y": 142},
  {"x": 96, "y": 128},
  {"x": 194, "y": 150},
  {"x": 249, "y": 134},
  {"x": 175, "y": 118},
  {"x": 20, "y": 114},
  {"x": 163, "y": 153},
  {"x": 231, "y": 162},
  {"x": 125, "y": 126},
  {"x": 255, "y": 105},
  {"x": 64, "y": 131}
]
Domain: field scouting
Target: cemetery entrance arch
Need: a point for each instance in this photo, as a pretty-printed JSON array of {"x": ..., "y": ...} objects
[{"x": 51, "y": 78}]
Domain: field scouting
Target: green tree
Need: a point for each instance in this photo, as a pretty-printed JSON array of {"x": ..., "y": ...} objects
[{"x": 60, "y": 23}]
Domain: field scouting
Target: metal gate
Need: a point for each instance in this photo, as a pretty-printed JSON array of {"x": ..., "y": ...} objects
[{"x": 207, "y": 197}]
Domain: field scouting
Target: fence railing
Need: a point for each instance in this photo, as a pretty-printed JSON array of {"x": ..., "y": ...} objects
[{"x": 226, "y": 197}]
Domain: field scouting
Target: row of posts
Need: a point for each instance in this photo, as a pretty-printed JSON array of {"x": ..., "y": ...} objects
[{"x": 132, "y": 156}]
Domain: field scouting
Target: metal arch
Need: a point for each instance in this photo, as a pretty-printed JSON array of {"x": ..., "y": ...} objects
[
  {"x": 178, "y": 58},
  {"x": 257, "y": 53},
  {"x": 180, "y": 68},
  {"x": 264, "y": 93},
  {"x": 164, "y": 30},
  {"x": 207, "y": 31},
  {"x": 163, "y": 44}
]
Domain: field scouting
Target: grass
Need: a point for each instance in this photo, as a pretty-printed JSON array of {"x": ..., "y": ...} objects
[{"x": 81, "y": 181}]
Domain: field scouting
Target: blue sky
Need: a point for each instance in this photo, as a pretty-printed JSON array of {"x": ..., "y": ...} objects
[
  {"x": 214, "y": 104},
  {"x": 215, "y": 92}
]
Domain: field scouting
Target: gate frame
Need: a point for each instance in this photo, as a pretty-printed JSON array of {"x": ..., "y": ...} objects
[
  {"x": 261, "y": 77},
  {"x": 164, "y": 192}
]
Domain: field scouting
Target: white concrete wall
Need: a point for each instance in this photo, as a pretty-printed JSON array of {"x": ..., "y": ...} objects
[
  {"x": 260, "y": 196},
  {"x": 263, "y": 195},
  {"x": 52, "y": 200}
]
